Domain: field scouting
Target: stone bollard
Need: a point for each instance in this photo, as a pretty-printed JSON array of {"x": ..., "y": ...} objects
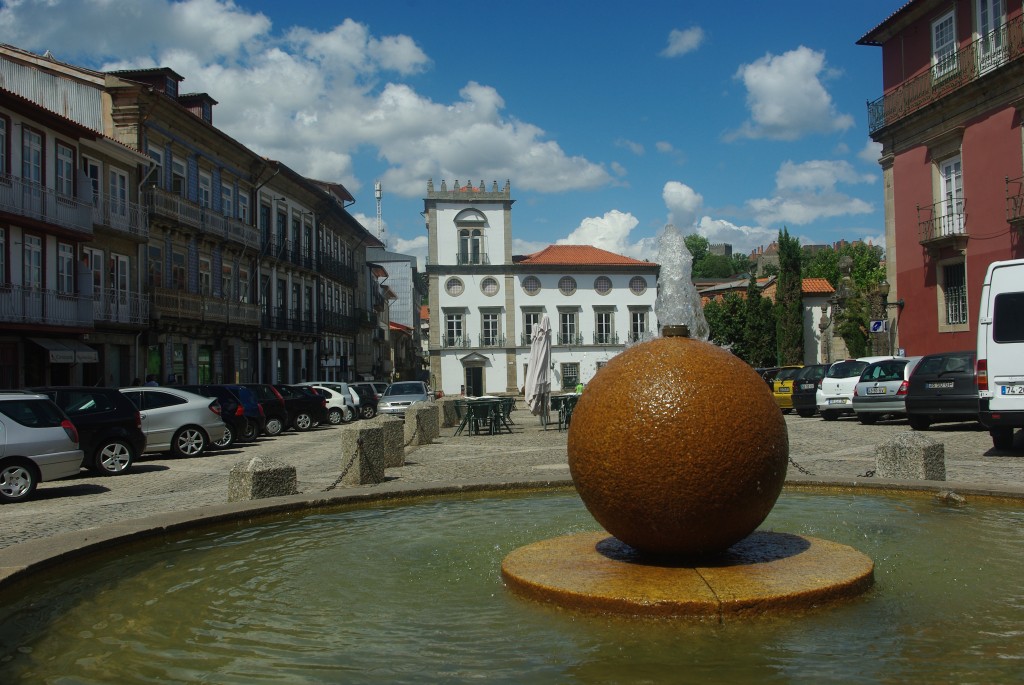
[
  {"x": 394, "y": 439},
  {"x": 911, "y": 456},
  {"x": 362, "y": 454},
  {"x": 421, "y": 423},
  {"x": 258, "y": 478},
  {"x": 448, "y": 418}
]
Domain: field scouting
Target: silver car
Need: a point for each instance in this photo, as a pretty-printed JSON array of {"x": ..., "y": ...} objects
[
  {"x": 37, "y": 443},
  {"x": 397, "y": 398},
  {"x": 177, "y": 421},
  {"x": 882, "y": 389}
]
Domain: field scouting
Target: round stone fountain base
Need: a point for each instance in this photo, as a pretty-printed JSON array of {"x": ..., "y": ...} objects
[{"x": 763, "y": 573}]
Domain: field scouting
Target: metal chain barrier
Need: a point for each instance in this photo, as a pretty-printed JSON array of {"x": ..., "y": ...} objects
[
  {"x": 799, "y": 468},
  {"x": 355, "y": 455}
]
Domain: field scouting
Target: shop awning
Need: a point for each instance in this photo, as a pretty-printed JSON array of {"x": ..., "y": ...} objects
[
  {"x": 67, "y": 351},
  {"x": 58, "y": 353}
]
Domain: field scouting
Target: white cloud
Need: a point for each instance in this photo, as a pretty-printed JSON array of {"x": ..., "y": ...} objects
[
  {"x": 683, "y": 41},
  {"x": 743, "y": 239},
  {"x": 806, "y": 192},
  {"x": 818, "y": 174},
  {"x": 683, "y": 203},
  {"x": 664, "y": 147},
  {"x": 870, "y": 152},
  {"x": 787, "y": 99},
  {"x": 631, "y": 145},
  {"x": 417, "y": 247}
]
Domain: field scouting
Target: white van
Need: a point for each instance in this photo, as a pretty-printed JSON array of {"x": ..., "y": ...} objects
[{"x": 1000, "y": 364}]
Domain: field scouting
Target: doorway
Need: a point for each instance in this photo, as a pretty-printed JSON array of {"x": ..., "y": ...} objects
[{"x": 474, "y": 381}]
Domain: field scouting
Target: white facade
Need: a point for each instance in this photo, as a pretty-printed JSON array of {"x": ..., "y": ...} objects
[{"x": 484, "y": 302}]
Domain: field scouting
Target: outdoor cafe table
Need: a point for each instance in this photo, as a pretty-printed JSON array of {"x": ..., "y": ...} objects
[
  {"x": 492, "y": 409},
  {"x": 564, "y": 404}
]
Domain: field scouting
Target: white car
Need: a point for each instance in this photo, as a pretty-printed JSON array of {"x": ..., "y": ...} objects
[
  {"x": 342, "y": 388},
  {"x": 339, "y": 404},
  {"x": 835, "y": 392}
]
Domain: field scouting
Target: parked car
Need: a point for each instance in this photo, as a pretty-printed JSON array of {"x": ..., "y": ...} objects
[
  {"x": 109, "y": 426},
  {"x": 39, "y": 443},
  {"x": 368, "y": 399},
  {"x": 882, "y": 389},
  {"x": 349, "y": 396},
  {"x": 339, "y": 408},
  {"x": 236, "y": 424},
  {"x": 782, "y": 387},
  {"x": 305, "y": 407},
  {"x": 943, "y": 388},
  {"x": 768, "y": 373},
  {"x": 400, "y": 395},
  {"x": 274, "y": 412},
  {"x": 252, "y": 409},
  {"x": 378, "y": 387},
  {"x": 835, "y": 392},
  {"x": 805, "y": 388},
  {"x": 1000, "y": 352},
  {"x": 182, "y": 423}
]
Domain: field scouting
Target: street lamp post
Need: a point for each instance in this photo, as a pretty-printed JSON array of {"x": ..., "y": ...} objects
[{"x": 883, "y": 290}]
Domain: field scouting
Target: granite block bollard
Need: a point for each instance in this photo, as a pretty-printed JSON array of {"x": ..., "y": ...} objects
[
  {"x": 258, "y": 477},
  {"x": 394, "y": 439},
  {"x": 421, "y": 423},
  {"x": 448, "y": 417},
  {"x": 911, "y": 456},
  {"x": 362, "y": 454}
]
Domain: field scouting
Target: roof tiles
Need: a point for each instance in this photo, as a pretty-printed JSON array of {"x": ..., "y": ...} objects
[{"x": 580, "y": 255}]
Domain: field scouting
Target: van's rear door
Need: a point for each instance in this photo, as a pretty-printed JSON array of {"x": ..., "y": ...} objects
[{"x": 1003, "y": 346}]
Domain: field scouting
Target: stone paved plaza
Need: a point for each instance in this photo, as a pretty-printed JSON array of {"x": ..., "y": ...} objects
[{"x": 842, "y": 450}]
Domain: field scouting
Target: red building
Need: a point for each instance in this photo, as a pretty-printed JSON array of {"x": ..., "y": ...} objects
[{"x": 949, "y": 122}]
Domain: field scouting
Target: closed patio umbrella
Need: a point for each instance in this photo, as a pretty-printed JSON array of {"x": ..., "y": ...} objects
[{"x": 538, "y": 372}]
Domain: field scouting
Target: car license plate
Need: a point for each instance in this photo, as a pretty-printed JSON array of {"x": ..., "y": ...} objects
[
  {"x": 784, "y": 390},
  {"x": 1011, "y": 389},
  {"x": 807, "y": 386},
  {"x": 837, "y": 400},
  {"x": 939, "y": 384},
  {"x": 876, "y": 391}
]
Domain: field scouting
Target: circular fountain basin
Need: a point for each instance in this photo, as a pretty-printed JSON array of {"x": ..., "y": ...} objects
[{"x": 412, "y": 592}]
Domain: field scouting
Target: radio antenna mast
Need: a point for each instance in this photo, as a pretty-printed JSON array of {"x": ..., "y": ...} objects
[{"x": 378, "y": 192}]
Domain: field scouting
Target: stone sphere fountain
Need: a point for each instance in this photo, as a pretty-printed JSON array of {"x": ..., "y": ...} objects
[{"x": 678, "y": 450}]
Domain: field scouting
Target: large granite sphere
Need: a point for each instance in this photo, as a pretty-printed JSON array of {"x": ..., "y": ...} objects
[{"x": 677, "y": 448}]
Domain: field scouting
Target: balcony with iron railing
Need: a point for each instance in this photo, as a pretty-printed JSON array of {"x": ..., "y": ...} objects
[
  {"x": 173, "y": 206},
  {"x": 492, "y": 341},
  {"x": 230, "y": 229},
  {"x": 22, "y": 305},
  {"x": 943, "y": 224},
  {"x": 175, "y": 304},
  {"x": 35, "y": 201},
  {"x": 639, "y": 336},
  {"x": 949, "y": 74},
  {"x": 127, "y": 218},
  {"x": 568, "y": 339},
  {"x": 334, "y": 322},
  {"x": 120, "y": 307},
  {"x": 1015, "y": 201},
  {"x": 469, "y": 258},
  {"x": 334, "y": 269},
  {"x": 456, "y": 341},
  {"x": 606, "y": 338}
]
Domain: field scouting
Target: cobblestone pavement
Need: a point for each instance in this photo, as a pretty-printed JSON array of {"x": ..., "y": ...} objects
[{"x": 833, "y": 450}]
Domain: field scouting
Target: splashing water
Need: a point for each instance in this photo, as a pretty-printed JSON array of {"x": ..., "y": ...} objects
[{"x": 678, "y": 301}]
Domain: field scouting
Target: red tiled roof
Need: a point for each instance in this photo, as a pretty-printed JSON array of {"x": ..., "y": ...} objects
[
  {"x": 816, "y": 286},
  {"x": 580, "y": 255}
]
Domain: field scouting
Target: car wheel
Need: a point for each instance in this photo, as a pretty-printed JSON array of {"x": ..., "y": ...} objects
[
  {"x": 112, "y": 458},
  {"x": 274, "y": 426},
  {"x": 349, "y": 414},
  {"x": 786, "y": 411},
  {"x": 303, "y": 421},
  {"x": 805, "y": 413},
  {"x": 829, "y": 415},
  {"x": 368, "y": 412},
  {"x": 189, "y": 441},
  {"x": 867, "y": 419},
  {"x": 1002, "y": 438},
  {"x": 919, "y": 423},
  {"x": 251, "y": 432},
  {"x": 334, "y": 416},
  {"x": 228, "y": 440},
  {"x": 18, "y": 481}
]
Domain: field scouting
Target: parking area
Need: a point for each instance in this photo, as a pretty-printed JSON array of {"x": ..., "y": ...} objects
[{"x": 835, "y": 450}]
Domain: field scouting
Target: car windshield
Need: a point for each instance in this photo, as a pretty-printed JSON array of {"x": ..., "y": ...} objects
[
  {"x": 405, "y": 389},
  {"x": 846, "y": 369},
  {"x": 811, "y": 372},
  {"x": 891, "y": 370},
  {"x": 787, "y": 374}
]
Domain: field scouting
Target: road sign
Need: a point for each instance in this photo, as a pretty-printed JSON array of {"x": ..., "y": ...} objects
[{"x": 880, "y": 326}]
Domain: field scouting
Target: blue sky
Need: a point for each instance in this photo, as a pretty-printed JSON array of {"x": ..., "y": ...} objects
[{"x": 610, "y": 119}]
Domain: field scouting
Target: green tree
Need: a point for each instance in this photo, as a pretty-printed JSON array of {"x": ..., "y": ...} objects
[
  {"x": 698, "y": 246},
  {"x": 867, "y": 270},
  {"x": 727, "y": 320},
  {"x": 789, "y": 301},
  {"x": 713, "y": 266},
  {"x": 852, "y": 324},
  {"x": 759, "y": 327}
]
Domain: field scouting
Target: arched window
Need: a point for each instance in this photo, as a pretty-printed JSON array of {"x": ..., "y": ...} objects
[{"x": 471, "y": 225}]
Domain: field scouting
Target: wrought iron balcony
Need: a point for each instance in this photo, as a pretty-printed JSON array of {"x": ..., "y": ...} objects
[
  {"x": 115, "y": 306},
  {"x": 230, "y": 229},
  {"x": 19, "y": 304},
  {"x": 172, "y": 206},
  {"x": 334, "y": 322},
  {"x": 568, "y": 339},
  {"x": 492, "y": 341},
  {"x": 943, "y": 224},
  {"x": 606, "y": 338},
  {"x": 639, "y": 336},
  {"x": 128, "y": 218},
  {"x": 174, "y": 304},
  {"x": 1015, "y": 201},
  {"x": 968, "y": 64},
  {"x": 35, "y": 201},
  {"x": 464, "y": 258},
  {"x": 456, "y": 341}
]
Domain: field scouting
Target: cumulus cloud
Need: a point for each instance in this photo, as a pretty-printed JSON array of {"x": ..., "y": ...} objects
[
  {"x": 818, "y": 174},
  {"x": 683, "y": 203},
  {"x": 335, "y": 90},
  {"x": 631, "y": 145},
  {"x": 664, "y": 147},
  {"x": 683, "y": 41},
  {"x": 744, "y": 239},
  {"x": 787, "y": 99},
  {"x": 870, "y": 152},
  {"x": 807, "y": 191}
]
